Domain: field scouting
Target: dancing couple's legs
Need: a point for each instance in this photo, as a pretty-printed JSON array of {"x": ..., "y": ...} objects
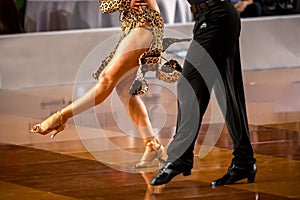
[{"x": 119, "y": 73}]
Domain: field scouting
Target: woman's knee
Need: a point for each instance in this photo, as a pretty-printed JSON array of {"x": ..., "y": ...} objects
[
  {"x": 123, "y": 87},
  {"x": 107, "y": 81},
  {"x": 122, "y": 91}
]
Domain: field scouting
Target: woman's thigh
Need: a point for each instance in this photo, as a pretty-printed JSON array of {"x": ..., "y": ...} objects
[{"x": 127, "y": 54}]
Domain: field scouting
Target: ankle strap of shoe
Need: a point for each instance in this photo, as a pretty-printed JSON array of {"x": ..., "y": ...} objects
[{"x": 153, "y": 143}]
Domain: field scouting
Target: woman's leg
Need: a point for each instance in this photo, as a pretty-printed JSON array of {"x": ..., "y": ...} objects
[
  {"x": 138, "y": 113},
  {"x": 133, "y": 104},
  {"x": 106, "y": 83},
  {"x": 125, "y": 59}
]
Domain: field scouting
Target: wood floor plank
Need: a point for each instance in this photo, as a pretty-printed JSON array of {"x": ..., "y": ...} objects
[
  {"x": 88, "y": 179},
  {"x": 10, "y": 191}
]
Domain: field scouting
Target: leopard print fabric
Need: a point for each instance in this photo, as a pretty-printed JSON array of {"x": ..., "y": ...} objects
[{"x": 151, "y": 59}]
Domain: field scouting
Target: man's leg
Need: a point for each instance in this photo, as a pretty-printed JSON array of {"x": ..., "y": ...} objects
[{"x": 243, "y": 163}]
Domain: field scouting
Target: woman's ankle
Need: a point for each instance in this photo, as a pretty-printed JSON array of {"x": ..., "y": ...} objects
[{"x": 153, "y": 143}]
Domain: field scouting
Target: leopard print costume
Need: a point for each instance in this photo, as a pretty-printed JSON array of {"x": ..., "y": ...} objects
[{"x": 151, "y": 59}]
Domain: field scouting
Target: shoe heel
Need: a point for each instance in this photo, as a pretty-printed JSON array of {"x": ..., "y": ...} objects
[
  {"x": 251, "y": 177},
  {"x": 186, "y": 173}
]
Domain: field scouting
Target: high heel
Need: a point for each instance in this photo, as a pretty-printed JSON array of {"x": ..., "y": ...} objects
[
  {"x": 168, "y": 172},
  {"x": 55, "y": 123},
  {"x": 252, "y": 175},
  {"x": 151, "y": 152},
  {"x": 236, "y": 173}
]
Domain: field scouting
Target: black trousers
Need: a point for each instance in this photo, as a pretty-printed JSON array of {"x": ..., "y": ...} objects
[{"x": 212, "y": 61}]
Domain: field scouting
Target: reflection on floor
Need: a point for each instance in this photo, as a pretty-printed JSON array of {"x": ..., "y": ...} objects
[{"x": 94, "y": 157}]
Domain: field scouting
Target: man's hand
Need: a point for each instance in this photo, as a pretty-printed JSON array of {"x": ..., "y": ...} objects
[{"x": 136, "y": 3}]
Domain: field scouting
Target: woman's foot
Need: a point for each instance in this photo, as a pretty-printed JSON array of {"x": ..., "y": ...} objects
[
  {"x": 55, "y": 123},
  {"x": 153, "y": 150}
]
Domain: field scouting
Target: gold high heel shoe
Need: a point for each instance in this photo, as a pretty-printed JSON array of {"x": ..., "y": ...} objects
[
  {"x": 55, "y": 123},
  {"x": 153, "y": 150}
]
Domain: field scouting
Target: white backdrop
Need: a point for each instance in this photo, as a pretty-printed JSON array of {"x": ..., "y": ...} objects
[
  {"x": 53, "y": 58},
  {"x": 51, "y": 15}
]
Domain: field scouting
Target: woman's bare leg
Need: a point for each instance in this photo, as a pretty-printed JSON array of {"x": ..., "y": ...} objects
[
  {"x": 121, "y": 68},
  {"x": 106, "y": 83},
  {"x": 126, "y": 58},
  {"x": 137, "y": 111},
  {"x": 135, "y": 108}
]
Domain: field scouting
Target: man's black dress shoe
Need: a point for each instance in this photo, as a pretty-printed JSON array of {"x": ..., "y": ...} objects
[
  {"x": 168, "y": 172},
  {"x": 236, "y": 173}
]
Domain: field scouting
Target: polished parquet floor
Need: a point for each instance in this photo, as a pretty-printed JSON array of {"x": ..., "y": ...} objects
[{"x": 94, "y": 159}]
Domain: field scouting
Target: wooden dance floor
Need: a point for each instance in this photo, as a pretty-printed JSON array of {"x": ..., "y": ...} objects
[{"x": 78, "y": 165}]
